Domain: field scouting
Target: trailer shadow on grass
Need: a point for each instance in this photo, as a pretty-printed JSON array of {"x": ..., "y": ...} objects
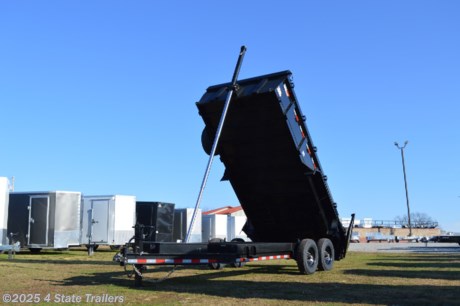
[
  {"x": 329, "y": 292},
  {"x": 422, "y": 258},
  {"x": 425, "y": 249},
  {"x": 117, "y": 278},
  {"x": 225, "y": 285},
  {"x": 415, "y": 264},
  {"x": 424, "y": 274}
]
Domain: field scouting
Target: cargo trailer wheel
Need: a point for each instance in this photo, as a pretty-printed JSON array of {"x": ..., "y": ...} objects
[
  {"x": 94, "y": 246},
  {"x": 326, "y": 254},
  {"x": 35, "y": 250},
  {"x": 307, "y": 256}
]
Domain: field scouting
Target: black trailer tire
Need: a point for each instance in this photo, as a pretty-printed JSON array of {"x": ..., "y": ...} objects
[
  {"x": 326, "y": 254},
  {"x": 307, "y": 256},
  {"x": 238, "y": 264},
  {"x": 216, "y": 265},
  {"x": 95, "y": 246},
  {"x": 35, "y": 250}
]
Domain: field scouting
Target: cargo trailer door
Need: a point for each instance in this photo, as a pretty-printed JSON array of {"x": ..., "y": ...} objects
[
  {"x": 99, "y": 221},
  {"x": 38, "y": 220}
]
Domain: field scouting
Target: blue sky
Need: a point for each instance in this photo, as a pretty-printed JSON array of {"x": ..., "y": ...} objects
[{"x": 99, "y": 96}]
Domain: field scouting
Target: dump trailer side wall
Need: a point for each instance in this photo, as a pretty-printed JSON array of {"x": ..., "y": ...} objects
[{"x": 271, "y": 161}]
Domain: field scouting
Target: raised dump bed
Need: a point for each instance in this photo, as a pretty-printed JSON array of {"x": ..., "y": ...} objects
[{"x": 271, "y": 162}]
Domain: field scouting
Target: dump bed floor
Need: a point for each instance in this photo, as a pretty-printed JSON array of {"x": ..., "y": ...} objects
[{"x": 270, "y": 160}]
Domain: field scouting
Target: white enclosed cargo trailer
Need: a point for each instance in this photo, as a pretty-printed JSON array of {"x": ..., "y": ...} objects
[
  {"x": 235, "y": 226},
  {"x": 214, "y": 226},
  {"x": 107, "y": 220},
  {"x": 4, "y": 200}
]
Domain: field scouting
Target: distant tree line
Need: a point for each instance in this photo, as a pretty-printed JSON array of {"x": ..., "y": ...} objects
[{"x": 417, "y": 220}]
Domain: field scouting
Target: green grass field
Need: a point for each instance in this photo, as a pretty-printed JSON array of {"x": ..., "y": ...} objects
[{"x": 361, "y": 278}]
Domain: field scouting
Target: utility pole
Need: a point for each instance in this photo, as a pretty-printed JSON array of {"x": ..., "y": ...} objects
[{"x": 405, "y": 182}]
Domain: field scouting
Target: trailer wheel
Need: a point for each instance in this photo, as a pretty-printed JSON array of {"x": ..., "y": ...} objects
[
  {"x": 307, "y": 256},
  {"x": 95, "y": 246},
  {"x": 35, "y": 250},
  {"x": 216, "y": 265},
  {"x": 326, "y": 254},
  {"x": 238, "y": 264}
]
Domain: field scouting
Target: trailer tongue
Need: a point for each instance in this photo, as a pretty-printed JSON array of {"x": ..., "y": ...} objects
[{"x": 271, "y": 162}]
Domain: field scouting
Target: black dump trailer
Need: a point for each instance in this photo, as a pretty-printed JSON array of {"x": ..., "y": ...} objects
[
  {"x": 273, "y": 167},
  {"x": 271, "y": 162}
]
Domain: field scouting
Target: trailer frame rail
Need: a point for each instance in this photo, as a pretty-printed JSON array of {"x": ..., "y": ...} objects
[{"x": 199, "y": 261}]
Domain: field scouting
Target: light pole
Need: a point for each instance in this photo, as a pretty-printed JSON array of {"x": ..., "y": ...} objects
[{"x": 405, "y": 182}]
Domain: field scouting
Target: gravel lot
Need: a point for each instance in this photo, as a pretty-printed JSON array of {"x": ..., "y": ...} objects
[{"x": 405, "y": 247}]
